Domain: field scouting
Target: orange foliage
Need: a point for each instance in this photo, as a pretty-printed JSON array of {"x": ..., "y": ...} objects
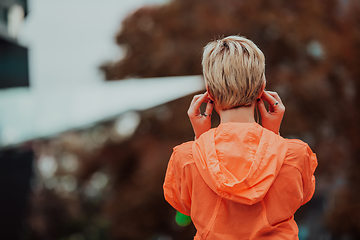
[{"x": 312, "y": 50}]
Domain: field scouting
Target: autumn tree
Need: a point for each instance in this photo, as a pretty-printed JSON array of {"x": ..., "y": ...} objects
[{"x": 312, "y": 51}]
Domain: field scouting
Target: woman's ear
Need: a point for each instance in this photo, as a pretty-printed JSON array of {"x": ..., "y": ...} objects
[
  {"x": 209, "y": 94},
  {"x": 262, "y": 89}
]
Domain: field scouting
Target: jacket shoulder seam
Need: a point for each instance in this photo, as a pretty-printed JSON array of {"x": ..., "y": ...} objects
[
  {"x": 292, "y": 165},
  {"x": 185, "y": 158},
  {"x": 297, "y": 142}
]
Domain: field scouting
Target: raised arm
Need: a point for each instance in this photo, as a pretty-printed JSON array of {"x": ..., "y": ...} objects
[
  {"x": 271, "y": 119},
  {"x": 200, "y": 122}
]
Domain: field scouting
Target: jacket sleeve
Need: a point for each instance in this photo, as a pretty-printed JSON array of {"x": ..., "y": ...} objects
[
  {"x": 177, "y": 190},
  {"x": 301, "y": 156},
  {"x": 310, "y": 164}
]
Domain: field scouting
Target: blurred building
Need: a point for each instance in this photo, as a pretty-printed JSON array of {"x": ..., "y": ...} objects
[
  {"x": 15, "y": 164},
  {"x": 14, "y": 66}
]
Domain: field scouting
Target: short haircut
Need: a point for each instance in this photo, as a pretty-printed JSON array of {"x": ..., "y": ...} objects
[{"x": 234, "y": 71}]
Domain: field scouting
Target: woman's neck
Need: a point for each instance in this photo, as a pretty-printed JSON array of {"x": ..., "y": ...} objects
[{"x": 240, "y": 114}]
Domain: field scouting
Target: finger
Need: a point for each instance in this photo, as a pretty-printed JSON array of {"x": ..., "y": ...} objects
[
  {"x": 209, "y": 109},
  {"x": 194, "y": 109},
  {"x": 278, "y": 107},
  {"x": 195, "y": 98},
  {"x": 270, "y": 99},
  {"x": 276, "y": 96},
  {"x": 191, "y": 111},
  {"x": 262, "y": 108}
]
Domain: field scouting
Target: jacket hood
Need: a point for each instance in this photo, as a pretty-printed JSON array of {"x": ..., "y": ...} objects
[{"x": 239, "y": 161}]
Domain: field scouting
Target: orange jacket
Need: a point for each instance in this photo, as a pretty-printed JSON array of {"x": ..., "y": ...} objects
[{"x": 241, "y": 181}]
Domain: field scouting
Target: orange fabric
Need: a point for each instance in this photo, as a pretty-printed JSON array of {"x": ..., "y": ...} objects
[{"x": 241, "y": 181}]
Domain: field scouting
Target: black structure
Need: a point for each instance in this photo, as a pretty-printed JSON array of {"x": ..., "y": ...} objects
[
  {"x": 15, "y": 175},
  {"x": 14, "y": 64},
  {"x": 15, "y": 163}
]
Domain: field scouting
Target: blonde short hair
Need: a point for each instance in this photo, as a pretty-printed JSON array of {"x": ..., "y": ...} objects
[{"x": 234, "y": 71}]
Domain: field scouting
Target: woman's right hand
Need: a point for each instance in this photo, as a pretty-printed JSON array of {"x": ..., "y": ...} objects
[
  {"x": 271, "y": 119},
  {"x": 200, "y": 123}
]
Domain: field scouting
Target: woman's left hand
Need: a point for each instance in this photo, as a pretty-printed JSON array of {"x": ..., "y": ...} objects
[
  {"x": 271, "y": 119},
  {"x": 200, "y": 123}
]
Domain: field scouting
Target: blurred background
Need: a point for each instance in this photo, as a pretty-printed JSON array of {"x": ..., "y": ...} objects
[{"x": 94, "y": 94}]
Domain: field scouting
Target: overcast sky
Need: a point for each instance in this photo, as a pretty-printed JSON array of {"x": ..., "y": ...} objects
[{"x": 69, "y": 39}]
